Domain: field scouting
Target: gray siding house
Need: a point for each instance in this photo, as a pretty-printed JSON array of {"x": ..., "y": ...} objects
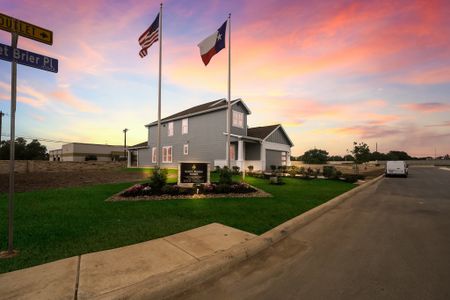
[{"x": 199, "y": 134}]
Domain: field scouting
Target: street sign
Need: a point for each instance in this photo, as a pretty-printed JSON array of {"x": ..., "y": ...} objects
[
  {"x": 28, "y": 58},
  {"x": 26, "y": 29}
]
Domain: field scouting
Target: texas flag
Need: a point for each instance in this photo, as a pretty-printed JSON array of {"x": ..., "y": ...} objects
[{"x": 213, "y": 44}]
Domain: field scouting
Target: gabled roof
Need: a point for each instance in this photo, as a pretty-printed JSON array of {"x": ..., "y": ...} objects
[
  {"x": 201, "y": 109},
  {"x": 261, "y": 132},
  {"x": 264, "y": 132}
]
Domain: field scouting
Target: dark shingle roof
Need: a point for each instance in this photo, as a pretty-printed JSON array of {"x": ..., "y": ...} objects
[
  {"x": 140, "y": 145},
  {"x": 216, "y": 104},
  {"x": 261, "y": 132}
]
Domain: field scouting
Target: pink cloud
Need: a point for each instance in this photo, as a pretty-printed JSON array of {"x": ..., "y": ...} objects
[{"x": 429, "y": 107}]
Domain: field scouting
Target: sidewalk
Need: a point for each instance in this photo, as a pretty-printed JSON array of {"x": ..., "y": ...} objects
[{"x": 97, "y": 274}]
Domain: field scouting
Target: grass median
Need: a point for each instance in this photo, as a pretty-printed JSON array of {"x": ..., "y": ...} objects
[{"x": 59, "y": 223}]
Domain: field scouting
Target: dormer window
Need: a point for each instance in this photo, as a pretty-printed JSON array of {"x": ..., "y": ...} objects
[{"x": 238, "y": 119}]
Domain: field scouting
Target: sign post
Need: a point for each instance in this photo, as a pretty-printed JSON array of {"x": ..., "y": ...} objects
[
  {"x": 15, "y": 55},
  {"x": 14, "y": 38}
]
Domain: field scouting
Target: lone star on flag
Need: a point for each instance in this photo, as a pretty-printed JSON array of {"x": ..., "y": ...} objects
[{"x": 219, "y": 37}]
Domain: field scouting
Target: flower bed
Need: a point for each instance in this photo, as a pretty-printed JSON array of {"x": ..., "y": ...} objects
[{"x": 172, "y": 191}]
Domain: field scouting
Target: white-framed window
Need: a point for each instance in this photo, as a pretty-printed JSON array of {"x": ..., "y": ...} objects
[
  {"x": 186, "y": 149},
  {"x": 238, "y": 119},
  {"x": 154, "y": 155},
  {"x": 167, "y": 154},
  {"x": 170, "y": 129},
  {"x": 184, "y": 126}
]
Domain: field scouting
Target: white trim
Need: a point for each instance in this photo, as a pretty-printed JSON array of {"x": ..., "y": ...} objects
[
  {"x": 237, "y": 119},
  {"x": 184, "y": 126},
  {"x": 276, "y": 146},
  {"x": 284, "y": 131},
  {"x": 170, "y": 129},
  {"x": 244, "y": 137},
  {"x": 153, "y": 155}
]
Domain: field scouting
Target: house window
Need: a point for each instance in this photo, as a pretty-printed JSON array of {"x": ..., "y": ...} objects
[
  {"x": 186, "y": 149},
  {"x": 238, "y": 119},
  {"x": 170, "y": 129},
  {"x": 167, "y": 154},
  {"x": 153, "y": 155},
  {"x": 184, "y": 126},
  {"x": 283, "y": 158}
]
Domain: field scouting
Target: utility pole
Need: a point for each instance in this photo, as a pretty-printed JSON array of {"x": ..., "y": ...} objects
[
  {"x": 125, "y": 142},
  {"x": 1, "y": 118}
]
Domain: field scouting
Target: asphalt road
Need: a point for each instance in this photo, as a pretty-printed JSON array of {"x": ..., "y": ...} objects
[{"x": 390, "y": 241}]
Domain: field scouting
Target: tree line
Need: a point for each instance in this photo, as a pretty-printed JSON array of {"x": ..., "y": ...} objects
[
  {"x": 360, "y": 153},
  {"x": 23, "y": 150}
]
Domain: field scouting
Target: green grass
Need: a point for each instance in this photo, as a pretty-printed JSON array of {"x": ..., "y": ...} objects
[{"x": 59, "y": 223}]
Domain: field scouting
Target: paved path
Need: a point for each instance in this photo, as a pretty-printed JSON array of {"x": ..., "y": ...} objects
[{"x": 391, "y": 241}]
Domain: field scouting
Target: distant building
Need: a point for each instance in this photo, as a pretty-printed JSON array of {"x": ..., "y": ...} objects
[
  {"x": 84, "y": 152},
  {"x": 199, "y": 134}
]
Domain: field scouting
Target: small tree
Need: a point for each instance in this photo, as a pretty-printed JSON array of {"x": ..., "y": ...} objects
[
  {"x": 315, "y": 156},
  {"x": 361, "y": 153}
]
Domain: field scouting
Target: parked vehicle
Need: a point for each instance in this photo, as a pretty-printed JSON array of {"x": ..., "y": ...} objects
[{"x": 396, "y": 168}]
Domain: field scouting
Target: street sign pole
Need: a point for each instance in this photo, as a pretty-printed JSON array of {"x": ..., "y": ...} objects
[{"x": 14, "y": 38}]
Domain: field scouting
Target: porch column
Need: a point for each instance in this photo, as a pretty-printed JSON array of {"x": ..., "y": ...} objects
[
  {"x": 240, "y": 160},
  {"x": 129, "y": 158}
]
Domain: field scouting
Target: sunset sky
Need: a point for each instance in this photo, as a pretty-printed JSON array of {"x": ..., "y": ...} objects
[{"x": 332, "y": 72}]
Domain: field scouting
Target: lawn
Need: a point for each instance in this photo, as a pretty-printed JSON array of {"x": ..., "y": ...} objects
[{"x": 59, "y": 223}]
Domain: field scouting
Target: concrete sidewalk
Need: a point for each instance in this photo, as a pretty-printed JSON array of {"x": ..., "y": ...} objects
[{"x": 97, "y": 274}]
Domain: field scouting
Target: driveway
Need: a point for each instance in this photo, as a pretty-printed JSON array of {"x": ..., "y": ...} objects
[{"x": 391, "y": 241}]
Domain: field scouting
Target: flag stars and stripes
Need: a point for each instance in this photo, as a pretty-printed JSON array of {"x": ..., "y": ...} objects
[{"x": 149, "y": 37}]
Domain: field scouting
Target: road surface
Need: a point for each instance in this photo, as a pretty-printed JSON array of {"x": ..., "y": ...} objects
[{"x": 391, "y": 241}]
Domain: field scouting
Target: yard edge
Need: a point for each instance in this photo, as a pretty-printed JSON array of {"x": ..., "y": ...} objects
[{"x": 163, "y": 286}]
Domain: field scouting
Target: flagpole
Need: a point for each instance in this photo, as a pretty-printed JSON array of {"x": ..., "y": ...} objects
[
  {"x": 158, "y": 147},
  {"x": 229, "y": 95}
]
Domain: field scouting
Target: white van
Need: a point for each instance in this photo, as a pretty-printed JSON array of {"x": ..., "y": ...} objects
[{"x": 396, "y": 168}]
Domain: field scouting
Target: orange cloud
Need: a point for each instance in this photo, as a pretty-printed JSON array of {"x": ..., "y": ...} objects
[{"x": 65, "y": 96}]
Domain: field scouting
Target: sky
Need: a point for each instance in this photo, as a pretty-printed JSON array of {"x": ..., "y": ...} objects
[{"x": 331, "y": 72}]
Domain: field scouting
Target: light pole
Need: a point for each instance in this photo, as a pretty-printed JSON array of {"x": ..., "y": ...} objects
[{"x": 125, "y": 142}]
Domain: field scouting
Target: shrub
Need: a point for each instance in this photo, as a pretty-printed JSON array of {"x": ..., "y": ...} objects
[
  {"x": 273, "y": 168},
  {"x": 293, "y": 170},
  {"x": 250, "y": 169},
  {"x": 329, "y": 171},
  {"x": 351, "y": 178},
  {"x": 217, "y": 169},
  {"x": 90, "y": 157},
  {"x": 225, "y": 176},
  {"x": 158, "y": 179}
]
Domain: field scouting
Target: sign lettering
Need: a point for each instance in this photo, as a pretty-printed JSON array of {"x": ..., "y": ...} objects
[
  {"x": 25, "y": 29},
  {"x": 28, "y": 58}
]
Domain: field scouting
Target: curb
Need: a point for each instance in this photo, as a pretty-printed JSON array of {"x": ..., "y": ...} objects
[{"x": 167, "y": 285}]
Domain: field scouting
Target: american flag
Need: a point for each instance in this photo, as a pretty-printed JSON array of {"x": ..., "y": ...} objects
[{"x": 149, "y": 37}]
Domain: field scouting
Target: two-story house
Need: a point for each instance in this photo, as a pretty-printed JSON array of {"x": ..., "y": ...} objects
[{"x": 200, "y": 134}]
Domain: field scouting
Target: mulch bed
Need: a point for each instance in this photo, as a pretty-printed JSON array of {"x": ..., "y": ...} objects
[{"x": 258, "y": 194}]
